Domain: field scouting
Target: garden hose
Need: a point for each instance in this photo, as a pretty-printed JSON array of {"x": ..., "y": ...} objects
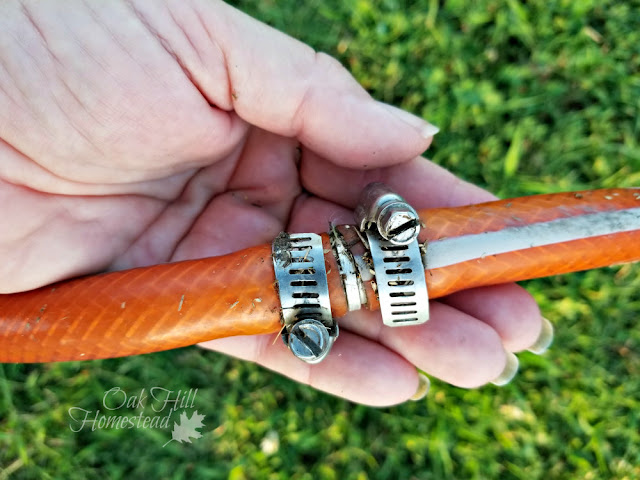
[{"x": 173, "y": 305}]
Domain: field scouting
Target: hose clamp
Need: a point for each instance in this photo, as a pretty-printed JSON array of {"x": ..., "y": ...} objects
[
  {"x": 309, "y": 329},
  {"x": 392, "y": 227}
]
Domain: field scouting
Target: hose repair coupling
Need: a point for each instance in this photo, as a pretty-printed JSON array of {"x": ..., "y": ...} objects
[{"x": 388, "y": 254}]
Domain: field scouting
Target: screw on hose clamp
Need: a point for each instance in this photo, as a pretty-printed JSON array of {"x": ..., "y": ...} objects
[
  {"x": 395, "y": 220},
  {"x": 392, "y": 226},
  {"x": 309, "y": 329}
]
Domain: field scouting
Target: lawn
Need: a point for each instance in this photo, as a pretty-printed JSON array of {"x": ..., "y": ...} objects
[{"x": 531, "y": 97}]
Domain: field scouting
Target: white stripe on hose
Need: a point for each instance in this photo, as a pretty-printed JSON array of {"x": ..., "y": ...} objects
[{"x": 449, "y": 251}]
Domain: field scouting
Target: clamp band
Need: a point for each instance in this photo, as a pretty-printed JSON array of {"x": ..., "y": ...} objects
[
  {"x": 400, "y": 281},
  {"x": 309, "y": 329}
]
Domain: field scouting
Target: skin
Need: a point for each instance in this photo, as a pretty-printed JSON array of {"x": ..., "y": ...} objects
[{"x": 133, "y": 133}]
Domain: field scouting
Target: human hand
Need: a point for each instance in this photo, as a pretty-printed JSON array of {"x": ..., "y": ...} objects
[{"x": 133, "y": 133}]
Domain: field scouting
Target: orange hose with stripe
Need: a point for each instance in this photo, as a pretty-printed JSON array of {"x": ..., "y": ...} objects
[
  {"x": 577, "y": 255},
  {"x": 173, "y": 305}
]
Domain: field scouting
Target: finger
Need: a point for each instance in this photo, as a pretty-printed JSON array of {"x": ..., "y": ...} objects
[
  {"x": 313, "y": 214},
  {"x": 56, "y": 237},
  {"x": 421, "y": 182},
  {"x": 508, "y": 309},
  {"x": 452, "y": 346},
  {"x": 255, "y": 208},
  {"x": 267, "y": 173},
  {"x": 18, "y": 169},
  {"x": 356, "y": 369},
  {"x": 230, "y": 222},
  {"x": 282, "y": 85},
  {"x": 141, "y": 119}
]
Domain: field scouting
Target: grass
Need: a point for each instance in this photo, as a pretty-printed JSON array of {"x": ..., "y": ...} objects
[{"x": 531, "y": 97}]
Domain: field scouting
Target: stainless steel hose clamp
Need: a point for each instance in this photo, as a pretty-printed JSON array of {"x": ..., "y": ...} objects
[
  {"x": 309, "y": 329},
  {"x": 392, "y": 227}
]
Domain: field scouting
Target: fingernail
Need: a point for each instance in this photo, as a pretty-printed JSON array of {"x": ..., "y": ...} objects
[
  {"x": 424, "y": 384},
  {"x": 545, "y": 339},
  {"x": 510, "y": 370},
  {"x": 426, "y": 129}
]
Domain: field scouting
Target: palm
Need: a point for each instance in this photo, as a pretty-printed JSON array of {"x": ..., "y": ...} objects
[{"x": 143, "y": 143}]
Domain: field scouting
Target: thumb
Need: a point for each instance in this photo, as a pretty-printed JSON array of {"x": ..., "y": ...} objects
[{"x": 281, "y": 85}]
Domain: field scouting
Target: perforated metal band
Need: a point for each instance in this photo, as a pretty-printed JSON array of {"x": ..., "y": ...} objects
[
  {"x": 400, "y": 280},
  {"x": 298, "y": 260}
]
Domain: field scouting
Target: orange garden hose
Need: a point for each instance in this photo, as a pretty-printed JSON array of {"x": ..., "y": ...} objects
[{"x": 173, "y": 305}]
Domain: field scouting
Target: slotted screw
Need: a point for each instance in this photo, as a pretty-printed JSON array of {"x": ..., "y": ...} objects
[
  {"x": 399, "y": 223},
  {"x": 309, "y": 340},
  {"x": 395, "y": 219}
]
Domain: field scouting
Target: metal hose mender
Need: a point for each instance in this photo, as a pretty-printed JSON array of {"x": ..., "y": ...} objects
[{"x": 388, "y": 229}]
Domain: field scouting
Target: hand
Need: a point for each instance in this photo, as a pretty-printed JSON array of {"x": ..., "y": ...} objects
[{"x": 133, "y": 133}]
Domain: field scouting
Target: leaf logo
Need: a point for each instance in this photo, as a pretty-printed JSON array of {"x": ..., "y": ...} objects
[{"x": 186, "y": 428}]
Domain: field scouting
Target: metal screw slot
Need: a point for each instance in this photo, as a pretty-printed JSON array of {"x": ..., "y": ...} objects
[
  {"x": 398, "y": 223},
  {"x": 309, "y": 340},
  {"x": 395, "y": 220}
]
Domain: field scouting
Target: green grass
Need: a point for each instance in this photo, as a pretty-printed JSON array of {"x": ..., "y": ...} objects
[{"x": 531, "y": 98}]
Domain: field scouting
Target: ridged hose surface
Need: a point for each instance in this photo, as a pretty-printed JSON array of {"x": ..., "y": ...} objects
[{"x": 173, "y": 305}]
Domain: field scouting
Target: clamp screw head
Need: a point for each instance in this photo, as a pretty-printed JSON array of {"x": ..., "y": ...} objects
[
  {"x": 399, "y": 223},
  {"x": 395, "y": 219},
  {"x": 309, "y": 340}
]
